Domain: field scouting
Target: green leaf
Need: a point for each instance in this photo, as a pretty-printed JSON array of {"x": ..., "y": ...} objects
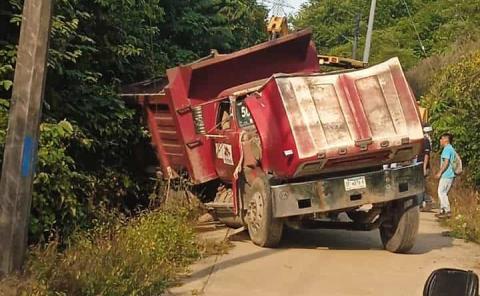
[{"x": 7, "y": 84}]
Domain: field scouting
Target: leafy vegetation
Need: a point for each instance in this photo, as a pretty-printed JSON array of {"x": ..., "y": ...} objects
[
  {"x": 454, "y": 104},
  {"x": 452, "y": 96},
  {"x": 438, "y": 23},
  {"x": 88, "y": 134},
  {"x": 139, "y": 256},
  {"x": 444, "y": 73}
]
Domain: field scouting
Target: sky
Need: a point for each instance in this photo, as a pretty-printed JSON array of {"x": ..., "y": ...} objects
[{"x": 294, "y": 3}]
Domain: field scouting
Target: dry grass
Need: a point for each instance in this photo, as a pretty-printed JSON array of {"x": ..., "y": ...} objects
[
  {"x": 465, "y": 222},
  {"x": 120, "y": 256},
  {"x": 420, "y": 77},
  {"x": 140, "y": 256}
]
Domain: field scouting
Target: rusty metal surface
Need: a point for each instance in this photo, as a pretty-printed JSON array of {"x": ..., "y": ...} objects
[
  {"x": 321, "y": 117},
  {"x": 308, "y": 123},
  {"x": 293, "y": 53},
  {"x": 330, "y": 194},
  {"x": 340, "y": 121},
  {"x": 168, "y": 145}
]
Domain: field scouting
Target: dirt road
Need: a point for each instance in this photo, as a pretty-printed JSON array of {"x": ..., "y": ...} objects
[{"x": 328, "y": 262}]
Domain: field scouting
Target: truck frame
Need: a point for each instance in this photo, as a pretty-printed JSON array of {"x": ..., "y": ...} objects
[{"x": 292, "y": 145}]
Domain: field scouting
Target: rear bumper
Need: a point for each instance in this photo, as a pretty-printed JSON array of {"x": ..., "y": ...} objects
[{"x": 329, "y": 194}]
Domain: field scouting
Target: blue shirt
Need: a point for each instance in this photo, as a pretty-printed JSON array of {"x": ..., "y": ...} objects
[{"x": 448, "y": 153}]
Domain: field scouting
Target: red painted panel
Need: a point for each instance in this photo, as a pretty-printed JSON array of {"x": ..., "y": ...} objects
[
  {"x": 197, "y": 83},
  {"x": 290, "y": 54},
  {"x": 325, "y": 119},
  {"x": 198, "y": 150},
  {"x": 302, "y": 118}
]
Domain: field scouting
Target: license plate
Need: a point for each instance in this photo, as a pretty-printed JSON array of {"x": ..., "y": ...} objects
[{"x": 355, "y": 183}]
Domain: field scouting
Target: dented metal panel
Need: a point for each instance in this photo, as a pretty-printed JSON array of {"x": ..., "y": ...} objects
[
  {"x": 318, "y": 116},
  {"x": 332, "y": 111}
]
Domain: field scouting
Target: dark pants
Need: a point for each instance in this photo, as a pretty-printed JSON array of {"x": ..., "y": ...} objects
[{"x": 424, "y": 197}]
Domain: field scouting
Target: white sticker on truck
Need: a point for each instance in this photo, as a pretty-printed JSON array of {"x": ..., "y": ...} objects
[
  {"x": 227, "y": 154},
  {"x": 219, "y": 150},
  {"x": 224, "y": 151}
]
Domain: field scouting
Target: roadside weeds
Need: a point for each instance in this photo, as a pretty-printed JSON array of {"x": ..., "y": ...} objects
[
  {"x": 465, "y": 203},
  {"x": 137, "y": 256}
]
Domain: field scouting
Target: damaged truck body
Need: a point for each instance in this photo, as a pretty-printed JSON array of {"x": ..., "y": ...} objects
[{"x": 293, "y": 145}]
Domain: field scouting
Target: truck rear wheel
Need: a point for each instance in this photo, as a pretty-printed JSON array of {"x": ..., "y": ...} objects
[
  {"x": 264, "y": 229},
  {"x": 398, "y": 233}
]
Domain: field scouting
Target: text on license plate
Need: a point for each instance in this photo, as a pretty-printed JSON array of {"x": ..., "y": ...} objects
[{"x": 355, "y": 183}]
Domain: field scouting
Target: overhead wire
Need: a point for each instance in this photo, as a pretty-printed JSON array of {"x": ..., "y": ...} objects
[{"x": 414, "y": 27}]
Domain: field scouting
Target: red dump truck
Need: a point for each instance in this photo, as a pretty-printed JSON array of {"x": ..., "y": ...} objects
[{"x": 292, "y": 145}]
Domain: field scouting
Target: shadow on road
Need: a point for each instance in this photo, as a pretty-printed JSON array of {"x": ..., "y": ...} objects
[
  {"x": 331, "y": 239},
  {"x": 427, "y": 242},
  {"x": 220, "y": 265},
  {"x": 356, "y": 240},
  {"x": 321, "y": 239}
]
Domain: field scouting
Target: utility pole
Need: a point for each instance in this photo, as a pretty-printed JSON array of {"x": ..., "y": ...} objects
[
  {"x": 22, "y": 135},
  {"x": 356, "y": 34},
  {"x": 368, "y": 40}
]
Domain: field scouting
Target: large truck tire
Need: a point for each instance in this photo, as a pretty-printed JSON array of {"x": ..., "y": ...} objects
[
  {"x": 398, "y": 234},
  {"x": 264, "y": 229}
]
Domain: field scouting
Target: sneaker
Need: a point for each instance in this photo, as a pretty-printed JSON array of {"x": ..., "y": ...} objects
[
  {"x": 440, "y": 214},
  {"x": 444, "y": 215},
  {"x": 427, "y": 207}
]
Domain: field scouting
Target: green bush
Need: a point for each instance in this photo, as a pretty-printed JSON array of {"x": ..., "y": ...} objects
[
  {"x": 120, "y": 257},
  {"x": 88, "y": 139},
  {"x": 454, "y": 104},
  {"x": 437, "y": 23},
  {"x": 57, "y": 206}
]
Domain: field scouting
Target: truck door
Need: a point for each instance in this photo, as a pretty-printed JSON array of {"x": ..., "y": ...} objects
[{"x": 227, "y": 151}]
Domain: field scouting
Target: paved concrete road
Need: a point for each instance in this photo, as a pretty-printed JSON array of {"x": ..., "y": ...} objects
[{"x": 328, "y": 262}]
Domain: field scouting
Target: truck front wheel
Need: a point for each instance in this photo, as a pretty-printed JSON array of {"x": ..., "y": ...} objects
[
  {"x": 400, "y": 229},
  {"x": 264, "y": 229}
]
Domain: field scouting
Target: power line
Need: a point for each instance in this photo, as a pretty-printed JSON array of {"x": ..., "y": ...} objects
[
  {"x": 277, "y": 6},
  {"x": 414, "y": 27}
]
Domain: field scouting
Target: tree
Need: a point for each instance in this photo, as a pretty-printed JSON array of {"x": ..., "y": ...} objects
[
  {"x": 438, "y": 24},
  {"x": 86, "y": 153}
]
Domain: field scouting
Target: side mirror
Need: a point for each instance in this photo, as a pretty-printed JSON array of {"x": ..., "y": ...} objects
[{"x": 451, "y": 282}]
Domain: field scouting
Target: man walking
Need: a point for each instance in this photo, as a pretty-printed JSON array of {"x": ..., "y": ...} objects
[{"x": 446, "y": 174}]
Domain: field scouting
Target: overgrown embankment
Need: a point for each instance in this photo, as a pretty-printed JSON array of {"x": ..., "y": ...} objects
[
  {"x": 465, "y": 202},
  {"x": 119, "y": 256},
  {"x": 453, "y": 100}
]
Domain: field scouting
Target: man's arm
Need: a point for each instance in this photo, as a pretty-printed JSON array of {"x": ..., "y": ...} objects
[
  {"x": 426, "y": 159},
  {"x": 443, "y": 167}
]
